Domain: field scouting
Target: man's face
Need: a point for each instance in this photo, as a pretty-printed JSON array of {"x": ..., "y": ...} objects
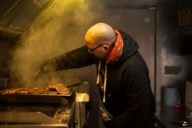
[{"x": 99, "y": 51}]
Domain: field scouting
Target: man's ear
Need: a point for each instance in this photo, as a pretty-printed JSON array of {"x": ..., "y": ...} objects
[{"x": 105, "y": 46}]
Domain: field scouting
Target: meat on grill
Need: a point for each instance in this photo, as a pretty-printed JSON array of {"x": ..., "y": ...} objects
[
  {"x": 50, "y": 89},
  {"x": 58, "y": 88}
]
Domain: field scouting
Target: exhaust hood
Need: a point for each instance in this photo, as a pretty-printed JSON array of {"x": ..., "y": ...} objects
[{"x": 16, "y": 16}]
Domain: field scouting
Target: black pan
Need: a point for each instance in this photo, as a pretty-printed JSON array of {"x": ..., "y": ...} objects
[{"x": 39, "y": 98}]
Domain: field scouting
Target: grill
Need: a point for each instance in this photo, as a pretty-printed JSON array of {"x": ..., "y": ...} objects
[{"x": 44, "y": 110}]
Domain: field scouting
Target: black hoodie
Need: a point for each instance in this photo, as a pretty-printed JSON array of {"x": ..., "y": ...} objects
[{"x": 128, "y": 95}]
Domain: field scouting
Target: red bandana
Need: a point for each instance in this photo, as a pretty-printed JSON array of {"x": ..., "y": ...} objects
[{"x": 116, "y": 51}]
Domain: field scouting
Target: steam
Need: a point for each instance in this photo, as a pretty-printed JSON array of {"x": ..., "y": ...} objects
[{"x": 57, "y": 30}]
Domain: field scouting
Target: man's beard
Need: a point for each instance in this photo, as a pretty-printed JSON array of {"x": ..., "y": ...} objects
[{"x": 97, "y": 58}]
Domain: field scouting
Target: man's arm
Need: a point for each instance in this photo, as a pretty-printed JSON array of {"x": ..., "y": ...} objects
[{"x": 76, "y": 58}]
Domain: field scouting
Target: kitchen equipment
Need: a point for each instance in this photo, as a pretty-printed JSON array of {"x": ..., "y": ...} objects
[
  {"x": 43, "y": 110},
  {"x": 183, "y": 123},
  {"x": 170, "y": 96},
  {"x": 37, "y": 98},
  {"x": 32, "y": 116},
  {"x": 46, "y": 98},
  {"x": 188, "y": 95}
]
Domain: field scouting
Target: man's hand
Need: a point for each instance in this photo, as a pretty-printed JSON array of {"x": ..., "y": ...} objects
[{"x": 46, "y": 67}]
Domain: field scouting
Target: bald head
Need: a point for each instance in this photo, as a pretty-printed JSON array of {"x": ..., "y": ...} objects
[{"x": 100, "y": 33}]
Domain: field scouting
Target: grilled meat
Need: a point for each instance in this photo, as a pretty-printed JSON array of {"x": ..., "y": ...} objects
[
  {"x": 51, "y": 89},
  {"x": 59, "y": 88},
  {"x": 10, "y": 91}
]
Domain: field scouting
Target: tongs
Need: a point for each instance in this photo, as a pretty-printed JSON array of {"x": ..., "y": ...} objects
[{"x": 74, "y": 85}]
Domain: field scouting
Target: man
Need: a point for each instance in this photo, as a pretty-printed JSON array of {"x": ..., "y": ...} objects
[{"x": 122, "y": 75}]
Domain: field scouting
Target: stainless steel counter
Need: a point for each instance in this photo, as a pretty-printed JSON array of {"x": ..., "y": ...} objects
[
  {"x": 69, "y": 115},
  {"x": 171, "y": 117}
]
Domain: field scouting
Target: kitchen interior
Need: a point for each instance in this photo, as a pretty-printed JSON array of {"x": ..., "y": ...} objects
[{"x": 32, "y": 31}]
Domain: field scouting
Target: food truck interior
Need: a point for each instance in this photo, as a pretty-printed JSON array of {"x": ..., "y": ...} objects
[{"x": 32, "y": 31}]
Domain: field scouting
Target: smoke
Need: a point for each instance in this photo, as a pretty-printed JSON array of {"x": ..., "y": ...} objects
[{"x": 57, "y": 30}]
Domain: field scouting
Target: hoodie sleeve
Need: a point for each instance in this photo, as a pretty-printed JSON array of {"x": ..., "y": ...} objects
[{"x": 76, "y": 58}]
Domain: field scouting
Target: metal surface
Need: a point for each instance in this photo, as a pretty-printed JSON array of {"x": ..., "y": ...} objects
[
  {"x": 17, "y": 15},
  {"x": 37, "y": 116},
  {"x": 82, "y": 97},
  {"x": 44, "y": 111},
  {"x": 35, "y": 126},
  {"x": 26, "y": 117},
  {"x": 37, "y": 98},
  {"x": 169, "y": 117}
]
